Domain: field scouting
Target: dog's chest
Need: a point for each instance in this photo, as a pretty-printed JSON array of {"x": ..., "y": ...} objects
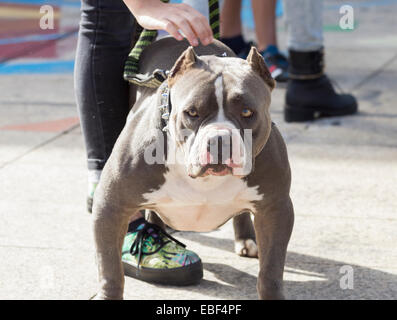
[{"x": 200, "y": 204}]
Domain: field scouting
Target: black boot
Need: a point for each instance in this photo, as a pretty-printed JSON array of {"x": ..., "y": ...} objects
[{"x": 310, "y": 93}]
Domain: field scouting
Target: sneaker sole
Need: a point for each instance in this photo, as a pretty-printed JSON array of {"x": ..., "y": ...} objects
[{"x": 182, "y": 276}]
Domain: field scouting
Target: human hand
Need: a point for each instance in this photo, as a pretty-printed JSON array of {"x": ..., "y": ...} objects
[{"x": 156, "y": 15}]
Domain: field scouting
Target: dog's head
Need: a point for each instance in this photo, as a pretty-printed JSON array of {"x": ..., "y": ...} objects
[{"x": 220, "y": 112}]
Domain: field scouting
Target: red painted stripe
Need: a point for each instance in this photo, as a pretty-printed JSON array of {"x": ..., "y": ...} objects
[{"x": 47, "y": 126}]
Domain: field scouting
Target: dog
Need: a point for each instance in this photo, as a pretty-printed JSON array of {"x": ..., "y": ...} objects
[{"x": 210, "y": 102}]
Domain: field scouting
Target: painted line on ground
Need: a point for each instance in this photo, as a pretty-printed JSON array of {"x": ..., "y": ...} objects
[
  {"x": 32, "y": 38},
  {"x": 58, "y": 125},
  {"x": 40, "y": 145},
  {"x": 38, "y": 67}
]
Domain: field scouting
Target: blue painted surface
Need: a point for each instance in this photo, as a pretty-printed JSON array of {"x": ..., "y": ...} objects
[{"x": 38, "y": 68}]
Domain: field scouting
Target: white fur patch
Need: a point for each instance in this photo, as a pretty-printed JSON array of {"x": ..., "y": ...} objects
[
  {"x": 219, "y": 99},
  {"x": 246, "y": 248},
  {"x": 200, "y": 204}
]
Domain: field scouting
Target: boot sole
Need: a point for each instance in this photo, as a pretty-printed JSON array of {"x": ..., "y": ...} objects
[
  {"x": 299, "y": 114},
  {"x": 182, "y": 276}
]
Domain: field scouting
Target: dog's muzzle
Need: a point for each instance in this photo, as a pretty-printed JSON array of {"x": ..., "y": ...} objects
[{"x": 219, "y": 151}]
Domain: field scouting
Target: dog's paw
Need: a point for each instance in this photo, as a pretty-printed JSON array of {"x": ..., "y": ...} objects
[{"x": 246, "y": 248}]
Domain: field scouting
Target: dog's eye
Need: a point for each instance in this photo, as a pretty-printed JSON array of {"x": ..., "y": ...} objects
[
  {"x": 246, "y": 113},
  {"x": 192, "y": 112}
]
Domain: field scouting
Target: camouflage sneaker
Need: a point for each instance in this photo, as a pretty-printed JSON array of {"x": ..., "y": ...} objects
[{"x": 150, "y": 254}]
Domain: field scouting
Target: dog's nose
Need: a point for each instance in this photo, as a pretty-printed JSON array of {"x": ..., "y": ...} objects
[{"x": 220, "y": 148}]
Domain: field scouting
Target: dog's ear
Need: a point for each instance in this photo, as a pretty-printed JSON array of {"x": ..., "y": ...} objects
[
  {"x": 188, "y": 59},
  {"x": 257, "y": 63}
]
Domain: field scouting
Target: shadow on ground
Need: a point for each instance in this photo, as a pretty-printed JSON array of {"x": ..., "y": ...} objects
[{"x": 236, "y": 284}]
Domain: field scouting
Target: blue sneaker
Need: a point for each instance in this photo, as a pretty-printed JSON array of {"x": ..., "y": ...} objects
[{"x": 276, "y": 62}]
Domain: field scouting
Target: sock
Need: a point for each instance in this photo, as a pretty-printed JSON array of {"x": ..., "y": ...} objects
[
  {"x": 93, "y": 180},
  {"x": 133, "y": 226},
  {"x": 236, "y": 43}
]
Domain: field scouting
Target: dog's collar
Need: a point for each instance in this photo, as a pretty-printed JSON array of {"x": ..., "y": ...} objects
[{"x": 165, "y": 105}]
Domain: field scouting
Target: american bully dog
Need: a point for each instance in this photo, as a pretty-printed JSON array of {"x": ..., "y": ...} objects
[{"x": 198, "y": 151}]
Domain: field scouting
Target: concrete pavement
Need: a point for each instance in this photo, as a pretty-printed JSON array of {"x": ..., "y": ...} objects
[{"x": 344, "y": 187}]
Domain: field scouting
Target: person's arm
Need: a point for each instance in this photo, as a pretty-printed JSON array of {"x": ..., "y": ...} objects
[{"x": 156, "y": 15}]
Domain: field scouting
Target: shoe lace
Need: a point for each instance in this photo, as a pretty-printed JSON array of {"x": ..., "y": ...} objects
[{"x": 157, "y": 234}]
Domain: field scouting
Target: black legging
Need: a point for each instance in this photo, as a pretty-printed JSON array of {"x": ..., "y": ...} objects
[{"x": 104, "y": 41}]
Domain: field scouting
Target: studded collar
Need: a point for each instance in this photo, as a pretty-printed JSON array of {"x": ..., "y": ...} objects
[{"x": 165, "y": 104}]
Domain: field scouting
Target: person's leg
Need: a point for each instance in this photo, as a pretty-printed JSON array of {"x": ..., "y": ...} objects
[
  {"x": 265, "y": 23},
  {"x": 230, "y": 19},
  {"x": 104, "y": 41},
  {"x": 265, "y": 29},
  {"x": 310, "y": 93},
  {"x": 230, "y": 27},
  {"x": 304, "y": 19},
  {"x": 102, "y": 95}
]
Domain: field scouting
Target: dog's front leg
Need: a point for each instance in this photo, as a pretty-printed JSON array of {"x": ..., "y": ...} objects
[
  {"x": 109, "y": 230},
  {"x": 273, "y": 226}
]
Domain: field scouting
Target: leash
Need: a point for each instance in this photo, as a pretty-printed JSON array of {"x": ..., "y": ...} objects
[{"x": 143, "y": 38}]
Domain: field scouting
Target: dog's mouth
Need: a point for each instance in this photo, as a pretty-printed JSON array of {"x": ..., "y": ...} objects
[
  {"x": 214, "y": 164},
  {"x": 217, "y": 170},
  {"x": 213, "y": 170}
]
